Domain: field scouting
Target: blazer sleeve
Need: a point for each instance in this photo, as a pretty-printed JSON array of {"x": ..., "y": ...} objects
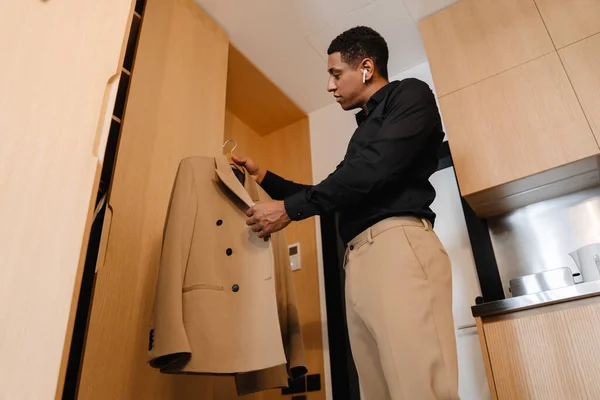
[{"x": 168, "y": 343}]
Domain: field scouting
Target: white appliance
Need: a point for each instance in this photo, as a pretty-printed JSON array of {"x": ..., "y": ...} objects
[
  {"x": 587, "y": 259},
  {"x": 451, "y": 228}
]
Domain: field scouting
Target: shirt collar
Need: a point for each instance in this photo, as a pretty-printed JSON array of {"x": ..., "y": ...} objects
[{"x": 374, "y": 101}]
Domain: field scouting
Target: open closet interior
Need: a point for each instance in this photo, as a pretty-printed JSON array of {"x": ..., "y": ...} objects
[
  {"x": 269, "y": 128},
  {"x": 184, "y": 91}
]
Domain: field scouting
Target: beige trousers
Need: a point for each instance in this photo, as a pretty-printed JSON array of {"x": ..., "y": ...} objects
[{"x": 399, "y": 312}]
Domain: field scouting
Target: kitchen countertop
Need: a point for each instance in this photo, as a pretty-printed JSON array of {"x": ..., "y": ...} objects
[{"x": 541, "y": 299}]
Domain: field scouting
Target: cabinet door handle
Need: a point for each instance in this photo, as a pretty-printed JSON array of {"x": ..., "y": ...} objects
[
  {"x": 467, "y": 326},
  {"x": 105, "y": 237},
  {"x": 106, "y": 110}
]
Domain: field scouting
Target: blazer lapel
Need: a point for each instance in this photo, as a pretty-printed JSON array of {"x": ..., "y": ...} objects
[
  {"x": 251, "y": 186},
  {"x": 226, "y": 175}
]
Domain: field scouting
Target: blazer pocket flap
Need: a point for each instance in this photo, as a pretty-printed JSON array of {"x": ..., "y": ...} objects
[{"x": 202, "y": 286}]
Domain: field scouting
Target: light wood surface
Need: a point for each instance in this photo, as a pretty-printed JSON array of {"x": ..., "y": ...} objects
[
  {"x": 516, "y": 124},
  {"x": 486, "y": 359},
  {"x": 475, "y": 39},
  {"x": 57, "y": 60},
  {"x": 257, "y": 101},
  {"x": 290, "y": 157},
  {"x": 582, "y": 62},
  {"x": 570, "y": 20},
  {"x": 175, "y": 109},
  {"x": 549, "y": 353},
  {"x": 287, "y": 153}
]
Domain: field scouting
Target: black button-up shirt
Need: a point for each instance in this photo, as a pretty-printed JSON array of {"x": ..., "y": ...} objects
[{"x": 387, "y": 166}]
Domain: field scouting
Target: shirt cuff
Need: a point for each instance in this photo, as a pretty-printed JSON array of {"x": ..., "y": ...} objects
[{"x": 298, "y": 207}]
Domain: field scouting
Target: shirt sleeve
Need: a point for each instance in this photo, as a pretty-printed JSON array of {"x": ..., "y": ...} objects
[
  {"x": 410, "y": 120},
  {"x": 279, "y": 188}
]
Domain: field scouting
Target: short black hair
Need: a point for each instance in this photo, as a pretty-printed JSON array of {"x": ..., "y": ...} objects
[{"x": 359, "y": 43}]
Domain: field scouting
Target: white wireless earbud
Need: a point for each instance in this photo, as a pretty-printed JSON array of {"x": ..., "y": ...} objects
[{"x": 364, "y": 76}]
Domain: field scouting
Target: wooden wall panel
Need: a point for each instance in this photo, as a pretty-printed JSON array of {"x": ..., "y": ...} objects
[
  {"x": 175, "y": 109},
  {"x": 59, "y": 60},
  {"x": 475, "y": 39},
  {"x": 255, "y": 99},
  {"x": 570, "y": 20},
  {"x": 286, "y": 152},
  {"x": 249, "y": 142}
]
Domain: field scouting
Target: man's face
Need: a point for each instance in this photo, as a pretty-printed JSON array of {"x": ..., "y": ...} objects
[{"x": 345, "y": 82}]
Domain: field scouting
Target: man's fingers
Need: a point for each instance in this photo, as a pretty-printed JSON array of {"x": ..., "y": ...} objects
[
  {"x": 239, "y": 160},
  {"x": 256, "y": 228},
  {"x": 250, "y": 211},
  {"x": 263, "y": 233}
]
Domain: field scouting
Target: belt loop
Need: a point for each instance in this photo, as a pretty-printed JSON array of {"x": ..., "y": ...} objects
[
  {"x": 369, "y": 236},
  {"x": 346, "y": 254}
]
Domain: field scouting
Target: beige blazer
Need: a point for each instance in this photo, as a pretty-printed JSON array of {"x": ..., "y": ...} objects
[{"x": 225, "y": 301}]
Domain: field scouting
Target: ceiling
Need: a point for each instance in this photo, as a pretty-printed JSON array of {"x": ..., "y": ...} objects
[{"x": 287, "y": 39}]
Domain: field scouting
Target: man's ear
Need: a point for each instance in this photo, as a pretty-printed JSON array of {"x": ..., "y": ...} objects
[{"x": 368, "y": 65}]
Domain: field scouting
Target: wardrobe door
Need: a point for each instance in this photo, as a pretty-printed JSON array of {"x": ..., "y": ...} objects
[
  {"x": 175, "y": 109},
  {"x": 58, "y": 79}
]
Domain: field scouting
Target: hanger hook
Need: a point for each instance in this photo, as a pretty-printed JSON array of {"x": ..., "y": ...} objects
[{"x": 234, "y": 145}]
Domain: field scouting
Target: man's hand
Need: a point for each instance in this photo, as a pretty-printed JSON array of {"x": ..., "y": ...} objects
[
  {"x": 267, "y": 217},
  {"x": 257, "y": 173}
]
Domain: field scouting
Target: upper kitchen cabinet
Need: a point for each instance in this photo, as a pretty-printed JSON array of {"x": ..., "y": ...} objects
[
  {"x": 582, "y": 61},
  {"x": 570, "y": 20},
  {"x": 515, "y": 134},
  {"x": 58, "y": 80},
  {"x": 475, "y": 39}
]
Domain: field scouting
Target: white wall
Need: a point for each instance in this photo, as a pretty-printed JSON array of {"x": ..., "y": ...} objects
[{"x": 330, "y": 132}]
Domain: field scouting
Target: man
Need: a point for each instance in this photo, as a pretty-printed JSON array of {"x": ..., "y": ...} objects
[{"x": 398, "y": 277}]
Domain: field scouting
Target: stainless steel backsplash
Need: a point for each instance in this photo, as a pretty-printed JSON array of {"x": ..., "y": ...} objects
[{"x": 540, "y": 237}]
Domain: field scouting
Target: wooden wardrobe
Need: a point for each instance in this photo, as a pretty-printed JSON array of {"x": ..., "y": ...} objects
[{"x": 188, "y": 92}]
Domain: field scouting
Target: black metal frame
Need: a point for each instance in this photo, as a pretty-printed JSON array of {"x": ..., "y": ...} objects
[{"x": 344, "y": 378}]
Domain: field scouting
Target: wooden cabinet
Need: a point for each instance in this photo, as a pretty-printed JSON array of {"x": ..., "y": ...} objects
[
  {"x": 548, "y": 353},
  {"x": 519, "y": 123},
  {"x": 570, "y": 20},
  {"x": 58, "y": 80},
  {"x": 476, "y": 39},
  {"x": 515, "y": 124},
  {"x": 582, "y": 62},
  {"x": 176, "y": 109}
]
